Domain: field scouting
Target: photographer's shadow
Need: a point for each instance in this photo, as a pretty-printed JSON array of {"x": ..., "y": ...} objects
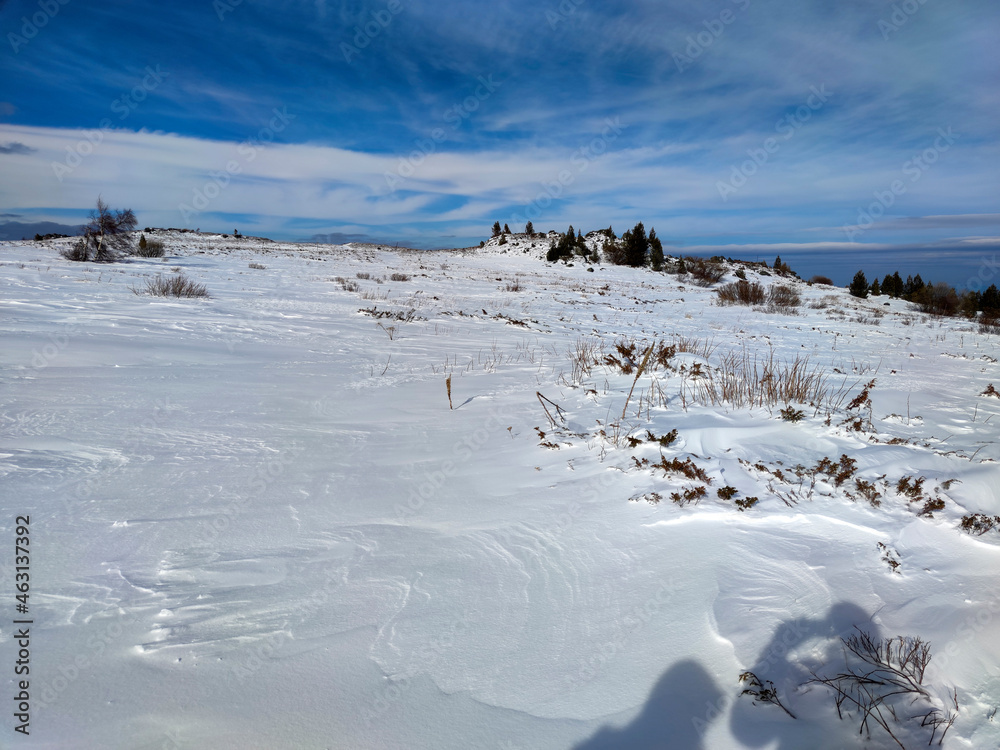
[{"x": 680, "y": 706}]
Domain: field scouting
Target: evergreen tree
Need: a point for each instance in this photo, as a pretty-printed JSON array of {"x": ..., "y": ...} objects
[
  {"x": 636, "y": 245},
  {"x": 529, "y": 228},
  {"x": 897, "y": 285},
  {"x": 887, "y": 285},
  {"x": 655, "y": 251},
  {"x": 859, "y": 286},
  {"x": 496, "y": 228},
  {"x": 875, "y": 290},
  {"x": 506, "y": 229},
  {"x": 990, "y": 301},
  {"x": 142, "y": 243}
]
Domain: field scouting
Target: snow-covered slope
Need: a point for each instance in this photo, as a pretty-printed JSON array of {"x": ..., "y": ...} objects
[{"x": 268, "y": 519}]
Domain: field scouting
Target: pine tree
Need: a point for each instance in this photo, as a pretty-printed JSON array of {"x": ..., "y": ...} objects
[
  {"x": 655, "y": 251},
  {"x": 142, "y": 243},
  {"x": 897, "y": 285},
  {"x": 506, "y": 229},
  {"x": 636, "y": 245},
  {"x": 887, "y": 285},
  {"x": 859, "y": 286},
  {"x": 496, "y": 228},
  {"x": 990, "y": 301},
  {"x": 875, "y": 290},
  {"x": 529, "y": 228}
]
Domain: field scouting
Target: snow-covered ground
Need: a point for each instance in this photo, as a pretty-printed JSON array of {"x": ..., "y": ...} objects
[{"x": 256, "y": 521}]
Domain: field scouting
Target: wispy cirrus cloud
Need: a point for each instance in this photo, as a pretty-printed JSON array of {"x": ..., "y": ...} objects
[{"x": 407, "y": 105}]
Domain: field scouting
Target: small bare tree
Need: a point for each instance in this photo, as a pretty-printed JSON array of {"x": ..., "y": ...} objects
[{"x": 107, "y": 237}]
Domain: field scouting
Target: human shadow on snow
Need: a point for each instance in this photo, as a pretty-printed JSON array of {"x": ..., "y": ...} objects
[
  {"x": 686, "y": 700},
  {"x": 681, "y": 695}
]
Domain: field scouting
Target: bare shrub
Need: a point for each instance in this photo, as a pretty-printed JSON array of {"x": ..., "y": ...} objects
[
  {"x": 763, "y": 691},
  {"x": 884, "y": 678},
  {"x": 399, "y": 277},
  {"x": 348, "y": 286},
  {"x": 741, "y": 293},
  {"x": 149, "y": 248},
  {"x": 172, "y": 286},
  {"x": 364, "y": 275},
  {"x": 783, "y": 296},
  {"x": 705, "y": 272},
  {"x": 825, "y": 280},
  {"x": 258, "y": 266},
  {"x": 78, "y": 251},
  {"x": 513, "y": 286}
]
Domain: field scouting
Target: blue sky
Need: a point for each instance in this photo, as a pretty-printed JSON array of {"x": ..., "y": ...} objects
[{"x": 858, "y": 133}]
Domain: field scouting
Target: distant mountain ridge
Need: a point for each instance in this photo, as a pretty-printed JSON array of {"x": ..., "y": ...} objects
[{"x": 16, "y": 230}]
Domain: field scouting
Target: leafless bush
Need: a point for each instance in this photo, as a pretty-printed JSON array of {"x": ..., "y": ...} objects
[
  {"x": 172, "y": 286},
  {"x": 106, "y": 237},
  {"x": 404, "y": 316},
  {"x": 782, "y": 296},
  {"x": 348, "y": 286},
  {"x": 763, "y": 691},
  {"x": 513, "y": 286},
  {"x": 78, "y": 251},
  {"x": 149, "y": 248},
  {"x": 989, "y": 323},
  {"x": 883, "y": 677},
  {"x": 705, "y": 272},
  {"x": 258, "y": 266},
  {"x": 821, "y": 280},
  {"x": 363, "y": 275},
  {"x": 741, "y": 293},
  {"x": 399, "y": 277}
]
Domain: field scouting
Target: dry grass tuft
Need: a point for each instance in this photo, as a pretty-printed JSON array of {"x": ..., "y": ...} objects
[{"x": 173, "y": 286}]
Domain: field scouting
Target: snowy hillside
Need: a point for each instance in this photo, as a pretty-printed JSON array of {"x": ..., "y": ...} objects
[{"x": 369, "y": 498}]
